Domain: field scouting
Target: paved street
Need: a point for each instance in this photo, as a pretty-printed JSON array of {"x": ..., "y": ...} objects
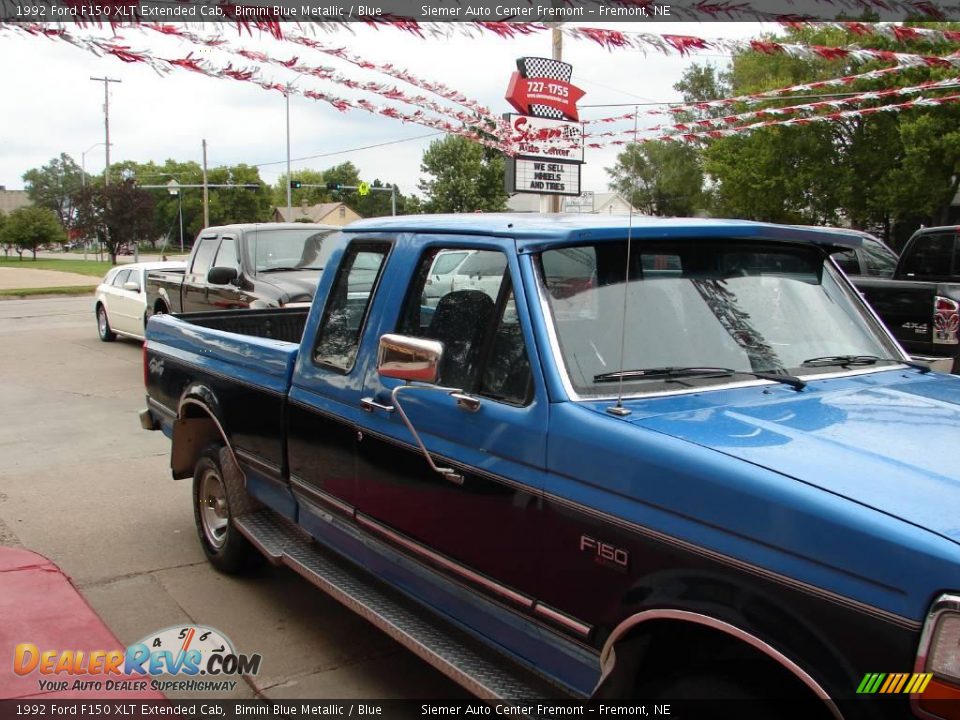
[{"x": 82, "y": 484}]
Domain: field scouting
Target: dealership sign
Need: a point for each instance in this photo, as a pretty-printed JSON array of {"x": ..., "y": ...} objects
[
  {"x": 543, "y": 177},
  {"x": 547, "y": 137},
  {"x": 541, "y": 87},
  {"x": 541, "y": 138}
]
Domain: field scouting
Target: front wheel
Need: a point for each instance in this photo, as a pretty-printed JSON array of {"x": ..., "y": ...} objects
[
  {"x": 218, "y": 499},
  {"x": 103, "y": 325}
]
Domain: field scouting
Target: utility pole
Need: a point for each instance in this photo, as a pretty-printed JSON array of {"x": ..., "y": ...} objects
[
  {"x": 206, "y": 196},
  {"x": 106, "y": 121},
  {"x": 557, "y": 55}
]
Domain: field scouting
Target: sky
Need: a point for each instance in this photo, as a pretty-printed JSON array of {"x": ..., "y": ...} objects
[{"x": 52, "y": 105}]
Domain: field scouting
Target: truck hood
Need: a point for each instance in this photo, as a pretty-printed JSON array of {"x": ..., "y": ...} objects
[
  {"x": 293, "y": 283},
  {"x": 888, "y": 446}
]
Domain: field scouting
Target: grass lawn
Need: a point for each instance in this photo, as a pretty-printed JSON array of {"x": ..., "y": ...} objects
[
  {"x": 93, "y": 268},
  {"x": 30, "y": 292}
]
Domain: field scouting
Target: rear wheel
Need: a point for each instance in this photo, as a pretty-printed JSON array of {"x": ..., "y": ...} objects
[
  {"x": 103, "y": 325},
  {"x": 218, "y": 499}
]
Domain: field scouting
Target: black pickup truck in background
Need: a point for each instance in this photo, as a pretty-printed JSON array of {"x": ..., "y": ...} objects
[
  {"x": 260, "y": 265},
  {"x": 920, "y": 304}
]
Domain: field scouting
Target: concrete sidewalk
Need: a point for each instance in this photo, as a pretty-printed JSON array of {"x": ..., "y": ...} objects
[{"x": 18, "y": 278}]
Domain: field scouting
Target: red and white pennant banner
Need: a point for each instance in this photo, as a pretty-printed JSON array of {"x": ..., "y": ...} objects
[
  {"x": 320, "y": 72},
  {"x": 100, "y": 46},
  {"x": 890, "y": 31},
  {"x": 831, "y": 104},
  {"x": 829, "y": 117}
]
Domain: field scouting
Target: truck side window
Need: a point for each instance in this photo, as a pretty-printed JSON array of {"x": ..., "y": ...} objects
[
  {"x": 347, "y": 306},
  {"x": 227, "y": 255},
  {"x": 879, "y": 260},
  {"x": 475, "y": 318},
  {"x": 204, "y": 256},
  {"x": 929, "y": 256},
  {"x": 506, "y": 372},
  {"x": 848, "y": 261}
]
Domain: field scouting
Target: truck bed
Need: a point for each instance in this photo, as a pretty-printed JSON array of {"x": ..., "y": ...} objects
[
  {"x": 286, "y": 324},
  {"x": 255, "y": 350}
]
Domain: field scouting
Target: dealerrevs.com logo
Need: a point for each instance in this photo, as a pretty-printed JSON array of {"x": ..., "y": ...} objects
[{"x": 187, "y": 653}]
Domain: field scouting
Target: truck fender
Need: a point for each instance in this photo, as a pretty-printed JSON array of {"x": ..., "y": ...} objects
[
  {"x": 197, "y": 425},
  {"x": 632, "y": 627}
]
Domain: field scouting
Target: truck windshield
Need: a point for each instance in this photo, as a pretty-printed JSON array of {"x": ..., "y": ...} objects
[
  {"x": 743, "y": 306},
  {"x": 278, "y": 249}
]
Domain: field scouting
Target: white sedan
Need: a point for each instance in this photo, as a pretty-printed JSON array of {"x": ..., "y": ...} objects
[{"x": 121, "y": 301}]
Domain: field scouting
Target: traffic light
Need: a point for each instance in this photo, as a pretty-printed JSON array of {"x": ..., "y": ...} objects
[
  {"x": 295, "y": 184},
  {"x": 334, "y": 186}
]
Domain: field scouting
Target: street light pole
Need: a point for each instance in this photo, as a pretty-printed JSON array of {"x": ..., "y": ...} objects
[
  {"x": 173, "y": 187},
  {"x": 83, "y": 164},
  {"x": 286, "y": 95}
]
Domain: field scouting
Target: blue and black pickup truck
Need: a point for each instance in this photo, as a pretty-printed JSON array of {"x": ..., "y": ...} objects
[{"x": 666, "y": 459}]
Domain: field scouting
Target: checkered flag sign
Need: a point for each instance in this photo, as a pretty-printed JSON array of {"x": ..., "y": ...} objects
[{"x": 537, "y": 67}]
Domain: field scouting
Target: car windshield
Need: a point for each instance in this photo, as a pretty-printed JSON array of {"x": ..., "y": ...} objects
[
  {"x": 740, "y": 306},
  {"x": 276, "y": 249}
]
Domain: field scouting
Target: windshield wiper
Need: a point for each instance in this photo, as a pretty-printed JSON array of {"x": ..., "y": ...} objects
[
  {"x": 676, "y": 373},
  {"x": 283, "y": 269},
  {"x": 853, "y": 360}
]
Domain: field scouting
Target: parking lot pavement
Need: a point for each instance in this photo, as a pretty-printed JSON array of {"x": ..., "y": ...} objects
[{"x": 82, "y": 484}]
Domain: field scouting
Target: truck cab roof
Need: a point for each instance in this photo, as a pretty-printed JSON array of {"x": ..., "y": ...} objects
[{"x": 534, "y": 230}]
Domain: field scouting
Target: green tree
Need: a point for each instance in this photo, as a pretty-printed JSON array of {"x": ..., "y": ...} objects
[
  {"x": 463, "y": 176},
  {"x": 29, "y": 227},
  {"x": 870, "y": 171},
  {"x": 116, "y": 214},
  {"x": 52, "y": 186},
  {"x": 238, "y": 204},
  {"x": 659, "y": 178}
]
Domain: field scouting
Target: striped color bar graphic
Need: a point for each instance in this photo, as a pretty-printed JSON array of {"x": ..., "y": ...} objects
[{"x": 894, "y": 683}]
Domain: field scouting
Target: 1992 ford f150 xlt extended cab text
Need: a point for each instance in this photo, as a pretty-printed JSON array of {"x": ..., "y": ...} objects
[{"x": 640, "y": 466}]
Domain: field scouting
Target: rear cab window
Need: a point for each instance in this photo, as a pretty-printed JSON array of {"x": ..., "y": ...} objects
[
  {"x": 348, "y": 305},
  {"x": 203, "y": 258}
]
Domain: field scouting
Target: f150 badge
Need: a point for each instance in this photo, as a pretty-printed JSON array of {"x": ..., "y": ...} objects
[{"x": 605, "y": 554}]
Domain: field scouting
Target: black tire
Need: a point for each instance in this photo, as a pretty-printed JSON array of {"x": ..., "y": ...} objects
[
  {"x": 219, "y": 497},
  {"x": 103, "y": 325},
  {"x": 161, "y": 309}
]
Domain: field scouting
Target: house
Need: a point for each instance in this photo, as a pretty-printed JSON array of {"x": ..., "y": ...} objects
[
  {"x": 606, "y": 203},
  {"x": 11, "y": 200},
  {"x": 333, "y": 213}
]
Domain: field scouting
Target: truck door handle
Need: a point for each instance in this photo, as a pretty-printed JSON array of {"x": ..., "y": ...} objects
[
  {"x": 466, "y": 402},
  {"x": 369, "y": 404}
]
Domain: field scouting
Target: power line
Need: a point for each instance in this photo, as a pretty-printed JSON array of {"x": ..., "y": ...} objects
[{"x": 342, "y": 152}]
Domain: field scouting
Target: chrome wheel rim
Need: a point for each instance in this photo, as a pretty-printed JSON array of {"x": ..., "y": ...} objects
[
  {"x": 102, "y": 322},
  {"x": 214, "y": 516}
]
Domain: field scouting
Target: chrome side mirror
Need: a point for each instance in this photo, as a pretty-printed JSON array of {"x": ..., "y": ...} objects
[
  {"x": 132, "y": 286},
  {"x": 409, "y": 358}
]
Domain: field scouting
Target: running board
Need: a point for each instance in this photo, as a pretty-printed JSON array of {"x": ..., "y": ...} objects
[{"x": 480, "y": 670}]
